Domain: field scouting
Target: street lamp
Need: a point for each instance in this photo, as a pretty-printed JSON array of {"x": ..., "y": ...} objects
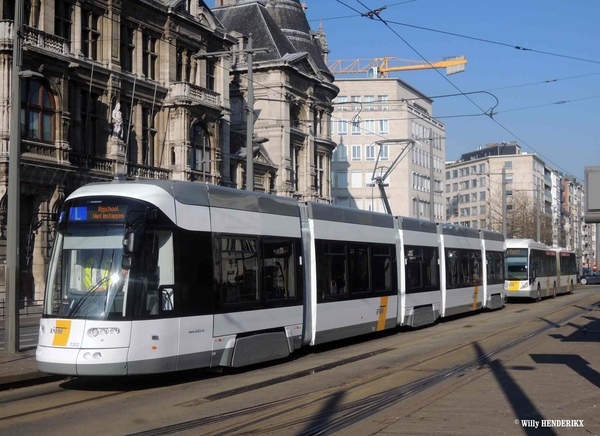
[{"x": 11, "y": 333}]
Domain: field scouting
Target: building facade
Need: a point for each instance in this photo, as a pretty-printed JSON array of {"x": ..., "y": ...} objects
[
  {"x": 109, "y": 88},
  {"x": 577, "y": 234},
  {"x": 293, "y": 93},
  {"x": 473, "y": 189},
  {"x": 382, "y": 109},
  {"x": 534, "y": 192}
]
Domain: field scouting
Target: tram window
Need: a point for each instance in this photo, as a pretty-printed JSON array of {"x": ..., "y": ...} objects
[
  {"x": 279, "y": 269},
  {"x": 414, "y": 260},
  {"x": 475, "y": 268},
  {"x": 465, "y": 274},
  {"x": 155, "y": 269},
  {"x": 422, "y": 269},
  {"x": 239, "y": 270},
  {"x": 331, "y": 269},
  {"x": 463, "y": 268},
  {"x": 431, "y": 272},
  {"x": 495, "y": 267},
  {"x": 194, "y": 272},
  {"x": 453, "y": 278},
  {"x": 382, "y": 268},
  {"x": 359, "y": 268}
]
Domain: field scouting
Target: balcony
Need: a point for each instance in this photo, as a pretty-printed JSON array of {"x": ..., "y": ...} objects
[
  {"x": 38, "y": 150},
  {"x": 147, "y": 172},
  {"x": 47, "y": 41},
  {"x": 91, "y": 162},
  {"x": 187, "y": 93}
]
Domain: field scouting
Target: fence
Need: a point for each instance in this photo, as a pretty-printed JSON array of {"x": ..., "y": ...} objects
[{"x": 27, "y": 307}]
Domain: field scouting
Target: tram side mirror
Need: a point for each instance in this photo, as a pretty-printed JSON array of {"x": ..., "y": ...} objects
[
  {"x": 126, "y": 262},
  {"x": 128, "y": 247},
  {"x": 129, "y": 243}
]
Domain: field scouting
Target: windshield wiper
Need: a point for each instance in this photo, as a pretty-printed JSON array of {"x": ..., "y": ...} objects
[{"x": 93, "y": 289}]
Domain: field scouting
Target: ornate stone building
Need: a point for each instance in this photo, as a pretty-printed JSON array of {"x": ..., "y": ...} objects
[
  {"x": 293, "y": 92},
  {"x": 116, "y": 89}
]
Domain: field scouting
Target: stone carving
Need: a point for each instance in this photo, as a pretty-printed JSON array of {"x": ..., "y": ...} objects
[{"x": 117, "y": 121}]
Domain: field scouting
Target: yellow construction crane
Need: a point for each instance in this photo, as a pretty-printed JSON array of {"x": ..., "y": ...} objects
[{"x": 380, "y": 67}]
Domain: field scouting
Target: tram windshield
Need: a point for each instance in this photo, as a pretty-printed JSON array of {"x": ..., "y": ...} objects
[
  {"x": 516, "y": 264},
  {"x": 88, "y": 276},
  {"x": 86, "y": 279}
]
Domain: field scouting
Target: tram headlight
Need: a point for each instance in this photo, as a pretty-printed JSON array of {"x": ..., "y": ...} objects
[{"x": 103, "y": 331}]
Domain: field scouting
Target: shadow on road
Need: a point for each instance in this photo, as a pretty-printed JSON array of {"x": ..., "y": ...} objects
[
  {"x": 573, "y": 361},
  {"x": 583, "y": 333},
  {"x": 519, "y": 401}
]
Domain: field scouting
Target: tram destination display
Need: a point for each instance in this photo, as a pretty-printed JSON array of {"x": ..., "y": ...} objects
[{"x": 97, "y": 213}]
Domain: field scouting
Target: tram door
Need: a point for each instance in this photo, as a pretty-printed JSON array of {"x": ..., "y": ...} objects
[{"x": 155, "y": 338}]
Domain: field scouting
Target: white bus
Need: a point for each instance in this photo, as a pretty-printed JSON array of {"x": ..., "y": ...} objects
[
  {"x": 567, "y": 268},
  {"x": 534, "y": 270}
]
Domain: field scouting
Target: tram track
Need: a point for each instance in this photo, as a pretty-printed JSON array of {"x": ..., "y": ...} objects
[
  {"x": 279, "y": 416},
  {"x": 337, "y": 418}
]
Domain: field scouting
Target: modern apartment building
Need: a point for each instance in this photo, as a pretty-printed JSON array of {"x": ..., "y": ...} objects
[
  {"x": 371, "y": 110},
  {"x": 473, "y": 185},
  {"x": 577, "y": 234}
]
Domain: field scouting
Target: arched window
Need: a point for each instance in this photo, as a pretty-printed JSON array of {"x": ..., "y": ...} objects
[
  {"x": 200, "y": 152},
  {"x": 37, "y": 112}
]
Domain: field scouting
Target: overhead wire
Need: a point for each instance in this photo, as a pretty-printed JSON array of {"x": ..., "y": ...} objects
[
  {"x": 357, "y": 16},
  {"x": 489, "y": 41},
  {"x": 459, "y": 35},
  {"x": 377, "y": 16},
  {"x": 172, "y": 43}
]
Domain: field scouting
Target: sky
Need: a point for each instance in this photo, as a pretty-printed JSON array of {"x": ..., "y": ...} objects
[{"x": 566, "y": 136}]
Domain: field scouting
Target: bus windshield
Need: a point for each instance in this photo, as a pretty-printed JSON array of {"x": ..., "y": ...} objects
[
  {"x": 85, "y": 278},
  {"x": 516, "y": 264}
]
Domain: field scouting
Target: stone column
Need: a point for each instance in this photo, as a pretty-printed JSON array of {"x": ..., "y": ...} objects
[
  {"x": 116, "y": 147},
  {"x": 139, "y": 51},
  {"x": 38, "y": 263},
  {"x": 63, "y": 121},
  {"x": 77, "y": 124},
  {"x": 76, "y": 42},
  {"x": 5, "y": 90}
]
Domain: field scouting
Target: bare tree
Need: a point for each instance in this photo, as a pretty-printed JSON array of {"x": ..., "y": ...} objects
[{"x": 521, "y": 214}]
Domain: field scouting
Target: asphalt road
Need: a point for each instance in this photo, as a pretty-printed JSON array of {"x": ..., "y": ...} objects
[{"x": 337, "y": 387}]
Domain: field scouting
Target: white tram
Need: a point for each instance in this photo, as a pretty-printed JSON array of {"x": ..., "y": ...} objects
[
  {"x": 159, "y": 276},
  {"x": 535, "y": 270}
]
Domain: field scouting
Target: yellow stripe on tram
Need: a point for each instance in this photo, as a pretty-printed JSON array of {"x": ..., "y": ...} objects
[
  {"x": 382, "y": 313},
  {"x": 61, "y": 333},
  {"x": 475, "y": 294}
]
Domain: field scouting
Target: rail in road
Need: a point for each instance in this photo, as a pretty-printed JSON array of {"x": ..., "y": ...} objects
[
  {"x": 350, "y": 383},
  {"x": 324, "y": 413}
]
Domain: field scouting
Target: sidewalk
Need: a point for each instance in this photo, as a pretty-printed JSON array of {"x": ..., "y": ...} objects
[{"x": 19, "y": 369}]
